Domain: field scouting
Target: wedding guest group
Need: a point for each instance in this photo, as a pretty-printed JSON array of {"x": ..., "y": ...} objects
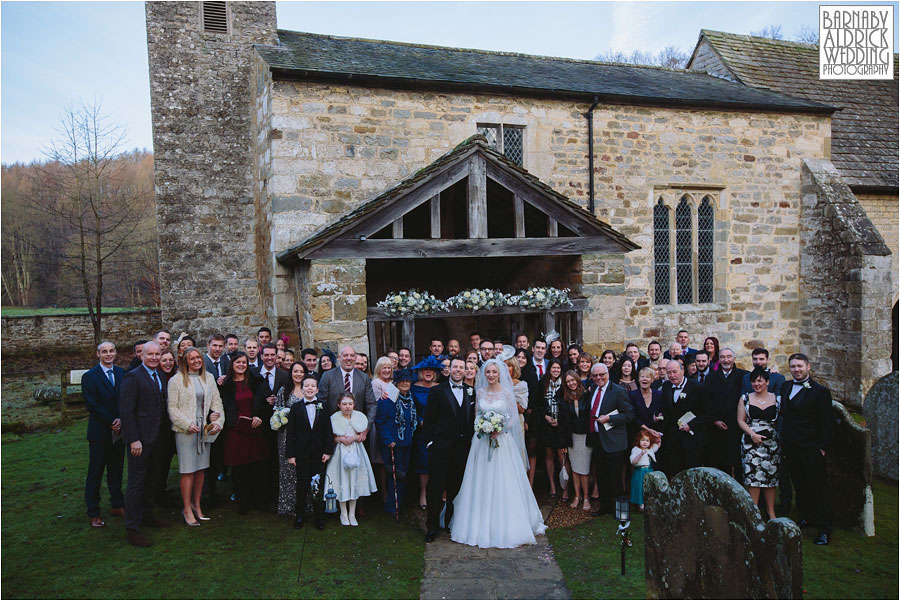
[{"x": 399, "y": 429}]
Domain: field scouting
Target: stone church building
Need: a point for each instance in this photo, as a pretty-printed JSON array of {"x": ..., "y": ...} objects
[{"x": 300, "y": 178}]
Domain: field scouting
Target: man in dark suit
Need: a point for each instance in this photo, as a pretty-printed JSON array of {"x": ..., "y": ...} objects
[
  {"x": 701, "y": 361},
  {"x": 683, "y": 339},
  {"x": 807, "y": 428},
  {"x": 142, "y": 405},
  {"x": 215, "y": 359},
  {"x": 724, "y": 388},
  {"x": 251, "y": 347},
  {"x": 309, "y": 444},
  {"x": 273, "y": 380},
  {"x": 607, "y": 434},
  {"x": 100, "y": 387},
  {"x": 346, "y": 377},
  {"x": 684, "y": 445},
  {"x": 310, "y": 359},
  {"x": 654, "y": 352},
  {"x": 760, "y": 358},
  {"x": 138, "y": 348},
  {"x": 216, "y": 363},
  {"x": 447, "y": 432}
]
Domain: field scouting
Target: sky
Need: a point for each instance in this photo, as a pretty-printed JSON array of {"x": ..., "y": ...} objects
[{"x": 56, "y": 54}]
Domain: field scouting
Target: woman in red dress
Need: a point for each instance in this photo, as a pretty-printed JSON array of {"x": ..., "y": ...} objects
[{"x": 245, "y": 442}]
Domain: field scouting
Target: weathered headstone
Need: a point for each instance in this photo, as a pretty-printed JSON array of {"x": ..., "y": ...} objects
[
  {"x": 880, "y": 409},
  {"x": 705, "y": 539},
  {"x": 850, "y": 474}
]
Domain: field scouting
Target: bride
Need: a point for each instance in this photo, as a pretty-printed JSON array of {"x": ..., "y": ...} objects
[{"x": 495, "y": 506}]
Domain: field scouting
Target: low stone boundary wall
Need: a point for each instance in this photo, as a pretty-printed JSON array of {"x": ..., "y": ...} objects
[{"x": 74, "y": 332}]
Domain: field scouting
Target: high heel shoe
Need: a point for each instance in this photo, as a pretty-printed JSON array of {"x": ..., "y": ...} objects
[
  {"x": 186, "y": 520},
  {"x": 575, "y": 503},
  {"x": 587, "y": 505},
  {"x": 199, "y": 515}
]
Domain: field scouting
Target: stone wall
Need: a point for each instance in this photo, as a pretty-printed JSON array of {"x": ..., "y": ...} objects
[
  {"x": 846, "y": 287},
  {"x": 213, "y": 254},
  {"x": 335, "y": 146},
  {"x": 335, "y": 292},
  {"x": 882, "y": 211},
  {"x": 40, "y": 333}
]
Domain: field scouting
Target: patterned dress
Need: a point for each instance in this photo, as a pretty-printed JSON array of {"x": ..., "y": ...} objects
[
  {"x": 761, "y": 461},
  {"x": 287, "y": 473}
]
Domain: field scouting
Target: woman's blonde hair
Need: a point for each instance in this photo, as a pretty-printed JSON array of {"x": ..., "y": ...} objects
[
  {"x": 647, "y": 371},
  {"x": 382, "y": 361},
  {"x": 513, "y": 362},
  {"x": 185, "y": 370}
]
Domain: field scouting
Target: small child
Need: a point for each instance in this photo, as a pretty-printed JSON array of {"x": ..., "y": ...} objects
[
  {"x": 349, "y": 469},
  {"x": 645, "y": 447}
]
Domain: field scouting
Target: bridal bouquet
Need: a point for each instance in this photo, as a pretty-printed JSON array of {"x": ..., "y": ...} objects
[
  {"x": 541, "y": 298},
  {"x": 488, "y": 423},
  {"x": 279, "y": 418}
]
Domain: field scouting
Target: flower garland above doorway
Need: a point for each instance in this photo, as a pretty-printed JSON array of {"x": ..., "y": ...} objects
[{"x": 418, "y": 302}]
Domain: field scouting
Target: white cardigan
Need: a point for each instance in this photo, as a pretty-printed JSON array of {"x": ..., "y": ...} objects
[{"x": 183, "y": 402}]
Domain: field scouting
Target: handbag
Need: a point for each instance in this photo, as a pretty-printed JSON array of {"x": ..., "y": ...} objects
[
  {"x": 767, "y": 434},
  {"x": 350, "y": 459}
]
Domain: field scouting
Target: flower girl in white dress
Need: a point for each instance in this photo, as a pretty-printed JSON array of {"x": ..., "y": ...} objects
[{"x": 349, "y": 469}]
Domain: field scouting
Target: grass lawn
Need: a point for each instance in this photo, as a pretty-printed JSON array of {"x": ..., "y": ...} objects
[
  {"x": 29, "y": 311},
  {"x": 50, "y": 551},
  {"x": 852, "y": 567}
]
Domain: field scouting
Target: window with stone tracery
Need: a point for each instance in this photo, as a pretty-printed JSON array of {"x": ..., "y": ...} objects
[{"x": 683, "y": 251}]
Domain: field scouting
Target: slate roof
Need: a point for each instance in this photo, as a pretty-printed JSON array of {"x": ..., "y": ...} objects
[
  {"x": 374, "y": 62},
  {"x": 864, "y": 133},
  {"x": 475, "y": 143}
]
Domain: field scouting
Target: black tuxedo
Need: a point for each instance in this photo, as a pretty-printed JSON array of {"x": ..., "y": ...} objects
[
  {"x": 101, "y": 399},
  {"x": 143, "y": 411},
  {"x": 263, "y": 410},
  {"x": 725, "y": 445},
  {"x": 807, "y": 429},
  {"x": 682, "y": 449},
  {"x": 535, "y": 400},
  {"x": 609, "y": 446},
  {"x": 306, "y": 444},
  {"x": 447, "y": 432}
]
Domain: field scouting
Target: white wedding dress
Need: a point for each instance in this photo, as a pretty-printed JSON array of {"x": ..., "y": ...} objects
[{"x": 495, "y": 506}]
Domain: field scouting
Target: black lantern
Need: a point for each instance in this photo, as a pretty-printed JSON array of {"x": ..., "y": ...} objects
[{"x": 623, "y": 516}]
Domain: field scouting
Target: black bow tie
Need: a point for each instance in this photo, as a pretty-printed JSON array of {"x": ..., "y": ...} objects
[
  {"x": 801, "y": 382},
  {"x": 307, "y": 403},
  {"x": 460, "y": 386}
]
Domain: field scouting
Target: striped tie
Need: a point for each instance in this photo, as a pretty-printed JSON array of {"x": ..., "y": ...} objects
[{"x": 347, "y": 383}]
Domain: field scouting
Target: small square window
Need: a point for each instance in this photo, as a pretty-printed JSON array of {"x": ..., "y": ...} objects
[{"x": 507, "y": 139}]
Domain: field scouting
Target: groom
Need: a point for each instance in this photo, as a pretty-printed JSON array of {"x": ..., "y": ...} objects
[{"x": 448, "y": 428}]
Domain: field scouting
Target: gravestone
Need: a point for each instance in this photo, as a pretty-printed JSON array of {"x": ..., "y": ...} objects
[
  {"x": 880, "y": 409},
  {"x": 850, "y": 474},
  {"x": 705, "y": 539}
]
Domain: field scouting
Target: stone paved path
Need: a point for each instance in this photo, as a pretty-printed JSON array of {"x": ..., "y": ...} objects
[{"x": 455, "y": 571}]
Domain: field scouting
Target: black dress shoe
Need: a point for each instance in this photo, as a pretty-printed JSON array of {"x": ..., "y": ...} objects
[
  {"x": 430, "y": 536},
  {"x": 822, "y": 539},
  {"x": 298, "y": 523},
  {"x": 320, "y": 524}
]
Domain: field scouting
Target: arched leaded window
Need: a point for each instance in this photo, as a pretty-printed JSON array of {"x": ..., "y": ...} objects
[
  {"x": 661, "y": 260},
  {"x": 705, "y": 220},
  {"x": 684, "y": 252}
]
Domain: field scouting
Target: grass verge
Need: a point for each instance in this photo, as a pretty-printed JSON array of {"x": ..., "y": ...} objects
[
  {"x": 851, "y": 567},
  {"x": 50, "y": 551}
]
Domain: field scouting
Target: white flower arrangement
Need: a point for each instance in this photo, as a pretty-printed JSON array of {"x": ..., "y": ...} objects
[
  {"x": 806, "y": 385},
  {"x": 476, "y": 299},
  {"x": 682, "y": 395},
  {"x": 470, "y": 390},
  {"x": 411, "y": 302},
  {"x": 541, "y": 298},
  {"x": 279, "y": 418},
  {"x": 488, "y": 423}
]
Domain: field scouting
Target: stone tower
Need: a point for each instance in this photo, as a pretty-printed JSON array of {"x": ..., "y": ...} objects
[{"x": 215, "y": 261}]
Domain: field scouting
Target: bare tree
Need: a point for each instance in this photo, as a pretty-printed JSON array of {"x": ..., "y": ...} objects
[
  {"x": 670, "y": 56},
  {"x": 772, "y": 32},
  {"x": 807, "y": 35},
  {"x": 87, "y": 191},
  {"x": 19, "y": 263}
]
